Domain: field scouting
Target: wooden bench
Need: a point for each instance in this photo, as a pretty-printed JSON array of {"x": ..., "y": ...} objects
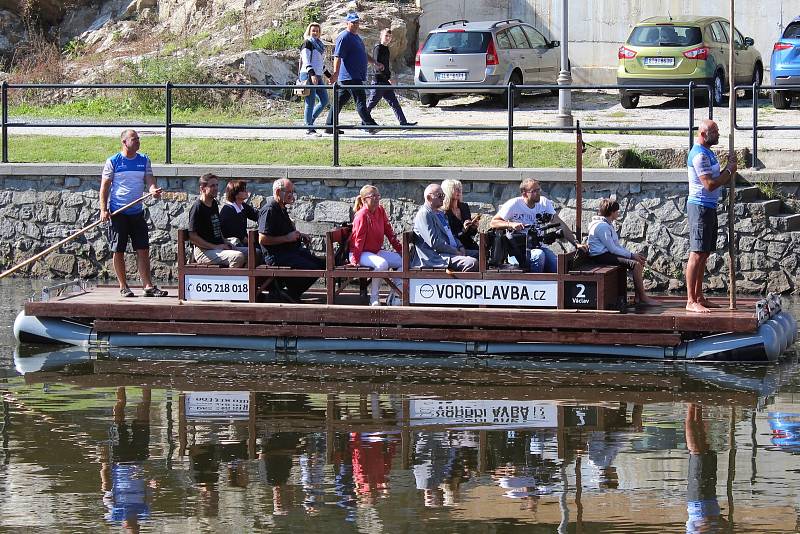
[{"x": 340, "y": 276}]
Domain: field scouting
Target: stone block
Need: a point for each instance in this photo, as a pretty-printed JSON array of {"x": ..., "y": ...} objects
[
  {"x": 633, "y": 227},
  {"x": 72, "y": 182},
  {"x": 21, "y": 198},
  {"x": 779, "y": 282},
  {"x": 332, "y": 211},
  {"x": 61, "y": 265},
  {"x": 68, "y": 215}
]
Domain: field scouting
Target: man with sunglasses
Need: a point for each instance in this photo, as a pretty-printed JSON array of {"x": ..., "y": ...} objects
[
  {"x": 526, "y": 210},
  {"x": 205, "y": 229},
  {"x": 434, "y": 243},
  {"x": 283, "y": 245}
]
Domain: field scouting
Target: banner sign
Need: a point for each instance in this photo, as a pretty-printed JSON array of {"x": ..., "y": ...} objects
[
  {"x": 580, "y": 295},
  {"x": 502, "y": 413},
  {"x": 216, "y": 287},
  {"x": 514, "y": 293},
  {"x": 218, "y": 404}
]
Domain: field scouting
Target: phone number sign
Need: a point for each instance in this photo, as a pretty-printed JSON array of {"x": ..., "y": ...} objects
[{"x": 214, "y": 287}]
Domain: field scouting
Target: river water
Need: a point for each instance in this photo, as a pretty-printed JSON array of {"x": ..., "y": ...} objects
[{"x": 141, "y": 441}]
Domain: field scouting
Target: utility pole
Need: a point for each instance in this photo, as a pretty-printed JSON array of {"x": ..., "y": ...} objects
[{"x": 565, "y": 76}]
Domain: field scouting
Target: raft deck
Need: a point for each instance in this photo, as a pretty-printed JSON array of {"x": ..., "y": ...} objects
[{"x": 664, "y": 326}]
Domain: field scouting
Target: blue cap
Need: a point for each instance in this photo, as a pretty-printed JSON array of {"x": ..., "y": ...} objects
[{"x": 352, "y": 17}]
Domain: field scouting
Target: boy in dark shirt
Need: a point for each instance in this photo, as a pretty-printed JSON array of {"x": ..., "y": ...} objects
[
  {"x": 205, "y": 230},
  {"x": 383, "y": 79}
]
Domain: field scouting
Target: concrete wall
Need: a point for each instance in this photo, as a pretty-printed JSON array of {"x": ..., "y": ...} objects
[
  {"x": 40, "y": 204},
  {"x": 599, "y": 27}
]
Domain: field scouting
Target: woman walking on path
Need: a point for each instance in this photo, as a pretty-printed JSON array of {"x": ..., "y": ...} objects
[
  {"x": 370, "y": 226},
  {"x": 459, "y": 217},
  {"x": 312, "y": 67}
]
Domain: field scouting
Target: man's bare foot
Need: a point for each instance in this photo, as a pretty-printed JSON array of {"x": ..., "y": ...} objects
[
  {"x": 707, "y": 303},
  {"x": 696, "y": 307}
]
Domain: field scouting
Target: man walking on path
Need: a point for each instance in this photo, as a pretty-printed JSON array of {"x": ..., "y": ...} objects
[
  {"x": 383, "y": 79},
  {"x": 705, "y": 180},
  {"x": 350, "y": 68},
  {"x": 124, "y": 178}
]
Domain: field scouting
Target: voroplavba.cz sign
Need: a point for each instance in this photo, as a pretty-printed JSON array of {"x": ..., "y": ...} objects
[
  {"x": 517, "y": 293},
  {"x": 525, "y": 414},
  {"x": 226, "y": 404}
]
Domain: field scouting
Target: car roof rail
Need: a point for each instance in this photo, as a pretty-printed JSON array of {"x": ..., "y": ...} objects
[
  {"x": 500, "y": 22},
  {"x": 463, "y": 22}
]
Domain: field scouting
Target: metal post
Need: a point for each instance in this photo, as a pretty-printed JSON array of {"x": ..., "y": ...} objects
[
  {"x": 731, "y": 154},
  {"x": 336, "y": 124},
  {"x": 755, "y": 127},
  {"x": 691, "y": 114},
  {"x": 511, "y": 90},
  {"x": 564, "y": 75},
  {"x": 4, "y": 92},
  {"x": 578, "y": 181},
  {"x": 168, "y": 123}
]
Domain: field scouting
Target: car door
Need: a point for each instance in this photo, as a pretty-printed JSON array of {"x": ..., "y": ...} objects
[
  {"x": 741, "y": 57},
  {"x": 717, "y": 41},
  {"x": 548, "y": 57},
  {"x": 525, "y": 58}
]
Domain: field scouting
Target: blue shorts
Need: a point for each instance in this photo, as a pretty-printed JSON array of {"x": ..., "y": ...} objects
[{"x": 703, "y": 228}]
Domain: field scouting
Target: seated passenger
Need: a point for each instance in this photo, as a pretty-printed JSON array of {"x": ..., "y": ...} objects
[
  {"x": 435, "y": 245},
  {"x": 531, "y": 209},
  {"x": 459, "y": 217},
  {"x": 234, "y": 215},
  {"x": 370, "y": 226},
  {"x": 205, "y": 230},
  {"x": 282, "y": 244},
  {"x": 604, "y": 248}
]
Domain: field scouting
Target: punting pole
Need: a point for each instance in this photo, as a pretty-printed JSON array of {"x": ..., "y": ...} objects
[
  {"x": 731, "y": 154},
  {"x": 578, "y": 180},
  {"x": 69, "y": 238}
]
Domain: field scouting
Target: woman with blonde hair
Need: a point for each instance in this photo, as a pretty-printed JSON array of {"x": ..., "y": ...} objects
[
  {"x": 463, "y": 225},
  {"x": 312, "y": 67},
  {"x": 370, "y": 226}
]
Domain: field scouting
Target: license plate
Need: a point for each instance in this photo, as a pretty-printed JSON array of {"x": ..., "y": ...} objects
[
  {"x": 660, "y": 61},
  {"x": 451, "y": 76}
]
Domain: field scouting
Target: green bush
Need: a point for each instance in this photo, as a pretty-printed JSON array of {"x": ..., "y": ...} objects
[
  {"x": 159, "y": 70},
  {"x": 285, "y": 37}
]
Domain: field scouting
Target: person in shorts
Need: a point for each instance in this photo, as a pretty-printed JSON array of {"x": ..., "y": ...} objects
[
  {"x": 124, "y": 178},
  {"x": 705, "y": 180}
]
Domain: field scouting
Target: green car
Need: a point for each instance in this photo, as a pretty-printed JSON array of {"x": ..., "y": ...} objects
[{"x": 677, "y": 50}]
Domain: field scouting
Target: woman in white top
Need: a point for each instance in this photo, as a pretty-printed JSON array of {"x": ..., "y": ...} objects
[
  {"x": 312, "y": 67},
  {"x": 604, "y": 248}
]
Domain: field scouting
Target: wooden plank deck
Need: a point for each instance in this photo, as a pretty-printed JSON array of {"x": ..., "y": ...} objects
[{"x": 658, "y": 326}]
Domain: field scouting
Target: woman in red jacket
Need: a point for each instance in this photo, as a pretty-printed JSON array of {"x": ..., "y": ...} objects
[{"x": 370, "y": 226}]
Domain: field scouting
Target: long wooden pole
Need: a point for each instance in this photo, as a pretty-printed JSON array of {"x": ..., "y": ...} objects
[
  {"x": 69, "y": 238},
  {"x": 731, "y": 154}
]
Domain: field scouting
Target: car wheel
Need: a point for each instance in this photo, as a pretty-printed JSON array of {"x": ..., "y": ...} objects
[
  {"x": 429, "y": 100},
  {"x": 717, "y": 89},
  {"x": 781, "y": 99},
  {"x": 516, "y": 79},
  {"x": 757, "y": 79},
  {"x": 628, "y": 100}
]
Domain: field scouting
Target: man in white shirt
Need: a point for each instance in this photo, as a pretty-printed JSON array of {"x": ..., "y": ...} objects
[{"x": 528, "y": 209}]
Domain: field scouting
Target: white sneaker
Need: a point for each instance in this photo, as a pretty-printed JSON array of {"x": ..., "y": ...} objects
[{"x": 375, "y": 303}]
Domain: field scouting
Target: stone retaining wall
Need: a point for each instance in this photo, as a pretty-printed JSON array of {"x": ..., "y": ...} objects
[{"x": 36, "y": 211}]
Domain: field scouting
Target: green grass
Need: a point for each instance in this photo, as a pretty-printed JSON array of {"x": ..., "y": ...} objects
[
  {"x": 290, "y": 35},
  {"x": 299, "y": 152}
]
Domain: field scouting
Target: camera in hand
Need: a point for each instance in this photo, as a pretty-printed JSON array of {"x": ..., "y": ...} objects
[{"x": 517, "y": 243}]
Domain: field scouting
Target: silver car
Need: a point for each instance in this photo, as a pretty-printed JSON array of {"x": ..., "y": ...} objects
[{"x": 486, "y": 56}]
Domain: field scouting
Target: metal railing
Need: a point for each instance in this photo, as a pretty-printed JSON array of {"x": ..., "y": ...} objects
[
  {"x": 169, "y": 125},
  {"x": 754, "y": 126}
]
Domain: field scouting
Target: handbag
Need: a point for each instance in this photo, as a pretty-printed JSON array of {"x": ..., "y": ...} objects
[{"x": 302, "y": 88}]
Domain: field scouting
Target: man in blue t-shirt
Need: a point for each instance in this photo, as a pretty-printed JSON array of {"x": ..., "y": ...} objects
[
  {"x": 350, "y": 61},
  {"x": 705, "y": 180},
  {"x": 124, "y": 178}
]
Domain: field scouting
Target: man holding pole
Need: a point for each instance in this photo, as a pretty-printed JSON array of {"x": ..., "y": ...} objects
[
  {"x": 705, "y": 180},
  {"x": 124, "y": 178}
]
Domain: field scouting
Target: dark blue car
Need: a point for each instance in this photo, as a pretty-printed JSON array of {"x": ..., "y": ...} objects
[{"x": 785, "y": 65}]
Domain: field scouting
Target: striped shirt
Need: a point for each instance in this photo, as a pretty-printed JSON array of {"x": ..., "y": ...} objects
[{"x": 127, "y": 178}]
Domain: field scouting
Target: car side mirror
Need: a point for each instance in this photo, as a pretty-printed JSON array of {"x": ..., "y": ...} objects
[
  {"x": 555, "y": 44},
  {"x": 748, "y": 41}
]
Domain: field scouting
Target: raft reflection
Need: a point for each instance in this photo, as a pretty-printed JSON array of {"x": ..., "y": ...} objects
[{"x": 561, "y": 445}]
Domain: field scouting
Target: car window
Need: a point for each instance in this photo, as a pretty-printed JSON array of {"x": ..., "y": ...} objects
[
  {"x": 457, "y": 43},
  {"x": 792, "y": 31},
  {"x": 518, "y": 36},
  {"x": 737, "y": 37},
  {"x": 536, "y": 39},
  {"x": 665, "y": 35},
  {"x": 717, "y": 35},
  {"x": 503, "y": 40}
]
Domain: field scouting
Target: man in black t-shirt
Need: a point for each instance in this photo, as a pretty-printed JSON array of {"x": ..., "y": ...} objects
[
  {"x": 205, "y": 231},
  {"x": 282, "y": 244},
  {"x": 383, "y": 79}
]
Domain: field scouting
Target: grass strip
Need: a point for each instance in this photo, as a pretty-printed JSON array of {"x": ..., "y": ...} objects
[{"x": 309, "y": 152}]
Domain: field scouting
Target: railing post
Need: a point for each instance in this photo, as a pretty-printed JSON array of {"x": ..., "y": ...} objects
[
  {"x": 691, "y": 114},
  {"x": 4, "y": 91},
  {"x": 755, "y": 126},
  {"x": 511, "y": 91},
  {"x": 168, "y": 123},
  {"x": 710, "y": 103},
  {"x": 335, "y": 124}
]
